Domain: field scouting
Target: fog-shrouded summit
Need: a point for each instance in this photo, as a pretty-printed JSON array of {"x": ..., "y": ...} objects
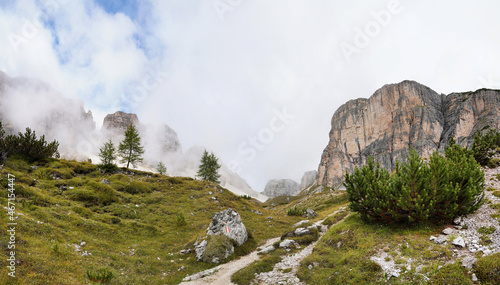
[
  {"x": 281, "y": 187},
  {"x": 27, "y": 102},
  {"x": 401, "y": 116}
]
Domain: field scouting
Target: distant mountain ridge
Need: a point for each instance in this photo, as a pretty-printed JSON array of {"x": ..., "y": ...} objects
[{"x": 401, "y": 116}]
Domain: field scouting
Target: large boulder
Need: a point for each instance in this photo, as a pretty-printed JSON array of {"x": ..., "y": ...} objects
[
  {"x": 228, "y": 222},
  {"x": 225, "y": 226}
]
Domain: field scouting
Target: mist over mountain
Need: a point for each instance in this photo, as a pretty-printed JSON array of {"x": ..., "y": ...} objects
[{"x": 30, "y": 103}]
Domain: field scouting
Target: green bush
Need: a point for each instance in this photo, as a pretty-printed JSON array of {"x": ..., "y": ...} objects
[
  {"x": 217, "y": 246},
  {"x": 28, "y": 147},
  {"x": 493, "y": 163},
  {"x": 496, "y": 193},
  {"x": 451, "y": 274},
  {"x": 102, "y": 275},
  {"x": 487, "y": 269},
  {"x": 485, "y": 145},
  {"x": 445, "y": 188},
  {"x": 181, "y": 220},
  {"x": 296, "y": 211}
]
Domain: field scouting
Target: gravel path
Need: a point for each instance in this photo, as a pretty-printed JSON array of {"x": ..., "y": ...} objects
[{"x": 221, "y": 275}]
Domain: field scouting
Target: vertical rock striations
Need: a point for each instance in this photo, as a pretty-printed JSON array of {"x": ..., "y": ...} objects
[
  {"x": 281, "y": 187},
  {"x": 400, "y": 116}
]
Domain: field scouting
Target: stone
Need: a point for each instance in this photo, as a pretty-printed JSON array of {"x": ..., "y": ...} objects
[
  {"x": 448, "y": 231},
  {"x": 474, "y": 277},
  {"x": 185, "y": 251},
  {"x": 459, "y": 241},
  {"x": 440, "y": 239},
  {"x": 310, "y": 213},
  {"x": 398, "y": 116},
  {"x": 281, "y": 187},
  {"x": 270, "y": 218},
  {"x": 300, "y": 223},
  {"x": 267, "y": 249},
  {"x": 200, "y": 249},
  {"x": 432, "y": 238},
  {"x": 458, "y": 221},
  {"x": 287, "y": 243},
  {"x": 228, "y": 222},
  {"x": 301, "y": 232},
  {"x": 468, "y": 262}
]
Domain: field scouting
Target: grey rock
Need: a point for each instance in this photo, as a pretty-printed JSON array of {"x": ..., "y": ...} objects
[
  {"x": 459, "y": 241},
  {"x": 458, "y": 221},
  {"x": 474, "y": 277},
  {"x": 440, "y": 239},
  {"x": 270, "y": 218},
  {"x": 34, "y": 167},
  {"x": 301, "y": 232},
  {"x": 287, "y": 243},
  {"x": 432, "y": 238},
  {"x": 228, "y": 222},
  {"x": 267, "y": 249},
  {"x": 200, "y": 249},
  {"x": 281, "y": 187},
  {"x": 310, "y": 213},
  {"x": 185, "y": 251},
  {"x": 448, "y": 231},
  {"x": 468, "y": 262}
]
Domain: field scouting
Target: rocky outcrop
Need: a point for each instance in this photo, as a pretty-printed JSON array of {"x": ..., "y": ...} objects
[
  {"x": 120, "y": 121},
  {"x": 398, "y": 117},
  {"x": 308, "y": 179},
  {"x": 228, "y": 223},
  {"x": 281, "y": 187}
]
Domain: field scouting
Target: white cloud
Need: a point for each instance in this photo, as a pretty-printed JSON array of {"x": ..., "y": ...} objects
[{"x": 225, "y": 76}]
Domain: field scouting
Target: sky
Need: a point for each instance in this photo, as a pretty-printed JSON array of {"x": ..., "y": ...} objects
[{"x": 257, "y": 82}]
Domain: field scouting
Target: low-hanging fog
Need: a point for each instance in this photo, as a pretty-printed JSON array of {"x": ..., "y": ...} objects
[{"x": 257, "y": 82}]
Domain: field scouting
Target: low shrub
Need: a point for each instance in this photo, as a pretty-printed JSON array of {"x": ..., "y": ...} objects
[
  {"x": 296, "y": 211},
  {"x": 487, "y": 231},
  {"x": 102, "y": 275},
  {"x": 93, "y": 194},
  {"x": 487, "y": 269},
  {"x": 445, "y": 188},
  {"x": 496, "y": 193},
  {"x": 217, "y": 246},
  {"x": 181, "y": 220},
  {"x": 451, "y": 274},
  {"x": 137, "y": 187},
  {"x": 493, "y": 163}
]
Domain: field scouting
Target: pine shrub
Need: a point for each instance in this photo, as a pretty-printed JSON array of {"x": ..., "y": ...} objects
[
  {"x": 485, "y": 145},
  {"x": 445, "y": 188}
]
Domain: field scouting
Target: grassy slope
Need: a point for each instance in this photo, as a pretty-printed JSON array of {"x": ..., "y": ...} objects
[{"x": 136, "y": 236}]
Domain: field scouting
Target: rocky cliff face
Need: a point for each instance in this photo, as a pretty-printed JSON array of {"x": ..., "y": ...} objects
[
  {"x": 281, "y": 187},
  {"x": 120, "y": 121},
  {"x": 398, "y": 117},
  {"x": 308, "y": 179}
]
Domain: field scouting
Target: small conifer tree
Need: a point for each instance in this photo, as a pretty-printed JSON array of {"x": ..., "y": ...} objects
[
  {"x": 108, "y": 154},
  {"x": 130, "y": 148},
  {"x": 161, "y": 168},
  {"x": 209, "y": 168}
]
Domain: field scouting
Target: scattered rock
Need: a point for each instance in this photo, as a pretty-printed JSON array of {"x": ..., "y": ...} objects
[
  {"x": 287, "y": 243},
  {"x": 301, "y": 232},
  {"x": 310, "y": 213},
  {"x": 459, "y": 241},
  {"x": 474, "y": 277},
  {"x": 270, "y": 218},
  {"x": 202, "y": 274},
  {"x": 33, "y": 167},
  {"x": 440, "y": 239},
  {"x": 468, "y": 262},
  {"x": 105, "y": 181},
  {"x": 200, "y": 249},
  {"x": 185, "y": 251},
  {"x": 267, "y": 249},
  {"x": 82, "y": 244},
  {"x": 448, "y": 231}
]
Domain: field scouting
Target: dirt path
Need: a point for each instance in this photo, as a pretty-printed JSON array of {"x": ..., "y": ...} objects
[{"x": 223, "y": 273}]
